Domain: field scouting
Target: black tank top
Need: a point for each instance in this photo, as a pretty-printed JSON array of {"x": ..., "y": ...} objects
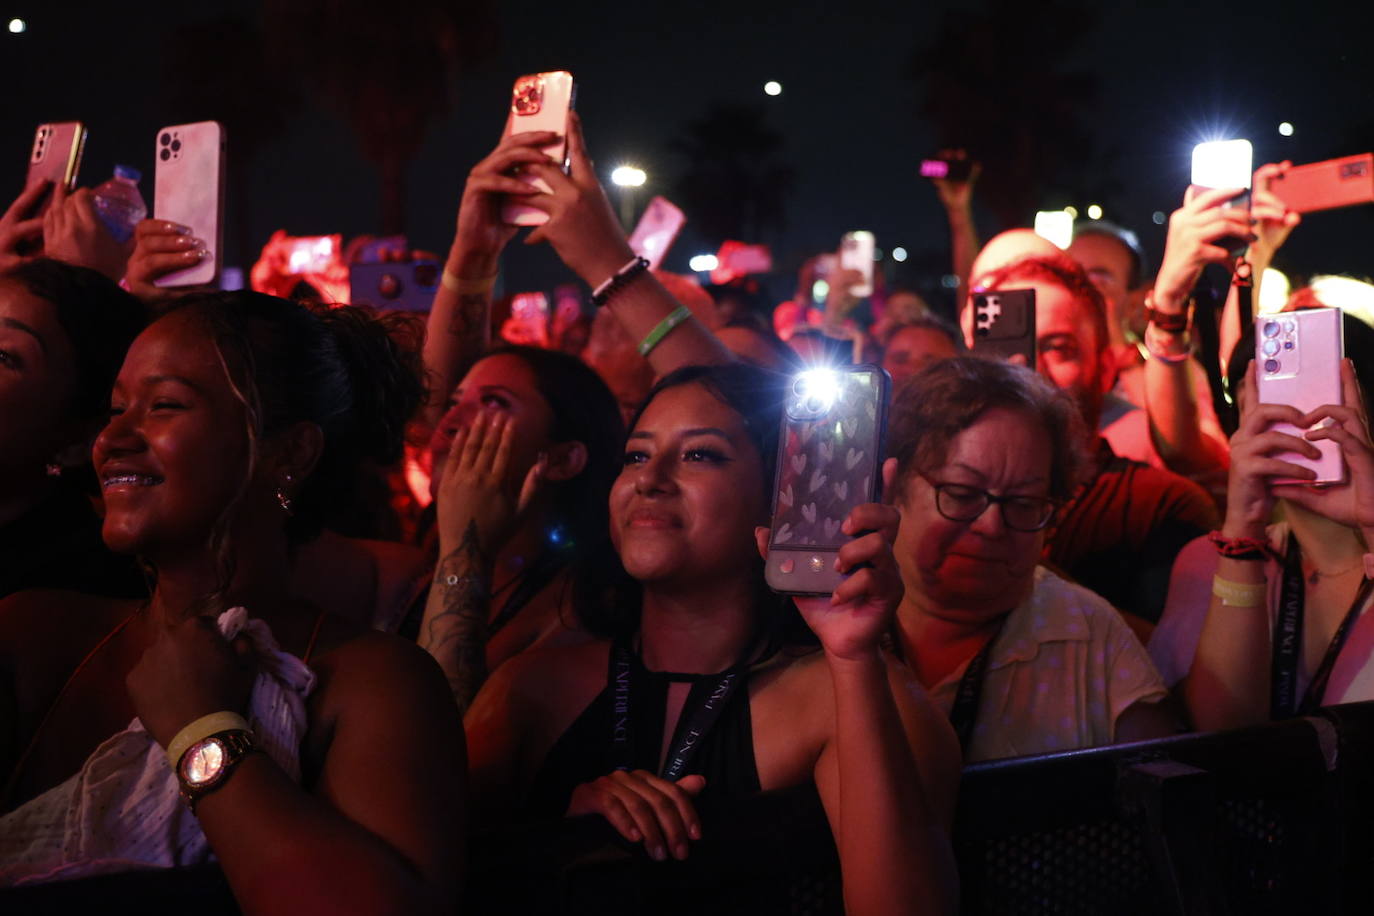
[{"x": 584, "y": 752}]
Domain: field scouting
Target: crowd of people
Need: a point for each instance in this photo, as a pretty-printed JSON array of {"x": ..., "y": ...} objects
[{"x": 213, "y": 645}]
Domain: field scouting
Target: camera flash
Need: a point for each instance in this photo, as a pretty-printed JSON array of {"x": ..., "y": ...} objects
[
  {"x": 1055, "y": 226},
  {"x": 1222, "y": 164}
]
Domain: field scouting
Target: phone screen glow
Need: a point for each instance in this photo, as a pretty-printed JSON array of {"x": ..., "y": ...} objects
[{"x": 1223, "y": 164}]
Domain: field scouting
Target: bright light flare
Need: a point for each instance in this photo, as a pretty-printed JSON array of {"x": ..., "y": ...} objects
[
  {"x": 818, "y": 389},
  {"x": 1346, "y": 293},
  {"x": 1286, "y": 129},
  {"x": 772, "y": 87},
  {"x": 1056, "y": 226},
  {"x": 1094, "y": 212},
  {"x": 1072, "y": 211},
  {"x": 704, "y": 262},
  {"x": 899, "y": 254},
  {"x": 18, "y": 26},
  {"x": 627, "y": 176},
  {"x": 1274, "y": 290},
  {"x": 1223, "y": 164}
]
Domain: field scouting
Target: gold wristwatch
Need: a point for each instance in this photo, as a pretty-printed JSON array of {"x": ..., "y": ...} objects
[{"x": 206, "y": 765}]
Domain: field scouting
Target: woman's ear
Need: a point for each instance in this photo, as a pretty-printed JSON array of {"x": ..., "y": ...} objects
[
  {"x": 566, "y": 461},
  {"x": 295, "y": 452},
  {"x": 889, "y": 494}
]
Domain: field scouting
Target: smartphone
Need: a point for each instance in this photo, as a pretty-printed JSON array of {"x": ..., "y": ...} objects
[
  {"x": 189, "y": 189},
  {"x": 405, "y": 286},
  {"x": 952, "y": 169},
  {"x": 856, "y": 253},
  {"x": 539, "y": 101},
  {"x": 311, "y": 254},
  {"x": 56, "y": 157},
  {"x": 1298, "y": 362},
  {"x": 829, "y": 461},
  {"x": 1326, "y": 185},
  {"x": 1004, "y": 324},
  {"x": 657, "y": 230},
  {"x": 1226, "y": 164}
]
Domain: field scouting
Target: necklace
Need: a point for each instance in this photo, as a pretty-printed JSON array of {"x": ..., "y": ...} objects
[{"x": 1317, "y": 574}]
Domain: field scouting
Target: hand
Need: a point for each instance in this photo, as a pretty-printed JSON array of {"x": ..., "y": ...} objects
[
  {"x": 642, "y": 807},
  {"x": 190, "y": 671},
  {"x": 957, "y": 194},
  {"x": 1273, "y": 221},
  {"x": 482, "y": 234},
  {"x": 1203, "y": 219},
  {"x": 72, "y": 232},
  {"x": 582, "y": 227},
  {"x": 1352, "y": 503},
  {"x": 17, "y": 228},
  {"x": 161, "y": 248},
  {"x": 840, "y": 301},
  {"x": 476, "y": 489},
  {"x": 1249, "y": 494}
]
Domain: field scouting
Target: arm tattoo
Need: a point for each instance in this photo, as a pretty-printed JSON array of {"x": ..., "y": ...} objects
[
  {"x": 469, "y": 316},
  {"x": 454, "y": 629}
]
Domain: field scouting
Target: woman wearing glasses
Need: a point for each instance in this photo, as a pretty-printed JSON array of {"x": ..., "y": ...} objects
[{"x": 1023, "y": 661}]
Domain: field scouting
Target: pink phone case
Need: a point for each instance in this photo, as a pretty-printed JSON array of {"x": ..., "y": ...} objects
[
  {"x": 829, "y": 461},
  {"x": 189, "y": 189},
  {"x": 856, "y": 253},
  {"x": 657, "y": 230},
  {"x": 1298, "y": 359},
  {"x": 539, "y": 101},
  {"x": 56, "y": 155}
]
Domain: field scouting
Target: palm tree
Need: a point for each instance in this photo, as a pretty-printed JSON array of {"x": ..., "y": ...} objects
[
  {"x": 994, "y": 88},
  {"x": 388, "y": 67},
  {"x": 733, "y": 184}
]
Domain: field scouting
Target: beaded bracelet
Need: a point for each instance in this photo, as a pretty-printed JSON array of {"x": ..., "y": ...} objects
[{"x": 602, "y": 294}]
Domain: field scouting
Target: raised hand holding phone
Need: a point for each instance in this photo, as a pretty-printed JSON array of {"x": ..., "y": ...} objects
[
  {"x": 189, "y": 191},
  {"x": 539, "y": 102},
  {"x": 1298, "y": 356}
]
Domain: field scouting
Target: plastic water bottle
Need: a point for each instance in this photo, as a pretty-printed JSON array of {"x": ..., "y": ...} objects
[{"x": 119, "y": 204}]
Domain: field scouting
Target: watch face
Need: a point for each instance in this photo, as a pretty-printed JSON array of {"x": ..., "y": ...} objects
[{"x": 203, "y": 762}]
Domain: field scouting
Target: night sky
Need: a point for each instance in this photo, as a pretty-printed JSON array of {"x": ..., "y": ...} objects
[{"x": 1168, "y": 75}]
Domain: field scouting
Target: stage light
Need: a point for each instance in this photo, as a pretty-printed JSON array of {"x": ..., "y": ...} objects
[
  {"x": 1072, "y": 211},
  {"x": 950, "y": 281},
  {"x": 1158, "y": 217},
  {"x": 1055, "y": 226},
  {"x": 1094, "y": 211},
  {"x": 703, "y": 262},
  {"x": 627, "y": 176},
  {"x": 772, "y": 87},
  {"x": 899, "y": 254},
  {"x": 1286, "y": 129},
  {"x": 17, "y": 26},
  {"x": 1274, "y": 290},
  {"x": 877, "y": 254}
]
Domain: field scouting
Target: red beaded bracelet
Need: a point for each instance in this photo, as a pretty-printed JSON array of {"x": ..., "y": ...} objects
[{"x": 1240, "y": 548}]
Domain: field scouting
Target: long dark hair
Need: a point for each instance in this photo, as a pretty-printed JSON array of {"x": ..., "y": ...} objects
[{"x": 608, "y": 599}]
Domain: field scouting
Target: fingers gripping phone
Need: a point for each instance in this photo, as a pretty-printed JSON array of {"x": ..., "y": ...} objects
[
  {"x": 539, "y": 101},
  {"x": 1004, "y": 324},
  {"x": 856, "y": 253},
  {"x": 1298, "y": 362},
  {"x": 56, "y": 156},
  {"x": 829, "y": 461},
  {"x": 1226, "y": 164},
  {"x": 189, "y": 189}
]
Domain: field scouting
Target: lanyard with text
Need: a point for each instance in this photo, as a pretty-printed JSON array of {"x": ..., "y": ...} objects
[
  {"x": 1283, "y": 696},
  {"x": 964, "y": 712},
  {"x": 693, "y": 724}
]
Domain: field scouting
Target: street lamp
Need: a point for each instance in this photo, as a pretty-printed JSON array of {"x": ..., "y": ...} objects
[{"x": 627, "y": 178}]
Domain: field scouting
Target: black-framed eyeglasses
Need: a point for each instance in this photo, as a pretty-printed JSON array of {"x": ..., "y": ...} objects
[{"x": 960, "y": 502}]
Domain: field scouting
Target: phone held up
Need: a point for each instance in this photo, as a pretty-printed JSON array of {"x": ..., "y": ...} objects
[
  {"x": 1298, "y": 362},
  {"x": 189, "y": 189},
  {"x": 657, "y": 230},
  {"x": 539, "y": 101},
  {"x": 856, "y": 253},
  {"x": 1004, "y": 325},
  {"x": 56, "y": 157},
  {"x": 829, "y": 461},
  {"x": 1226, "y": 164}
]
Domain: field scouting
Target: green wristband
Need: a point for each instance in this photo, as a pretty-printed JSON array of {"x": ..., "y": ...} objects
[{"x": 661, "y": 330}]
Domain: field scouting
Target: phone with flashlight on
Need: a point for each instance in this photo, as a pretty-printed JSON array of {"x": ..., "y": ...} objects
[
  {"x": 539, "y": 102},
  {"x": 1226, "y": 164},
  {"x": 829, "y": 461}
]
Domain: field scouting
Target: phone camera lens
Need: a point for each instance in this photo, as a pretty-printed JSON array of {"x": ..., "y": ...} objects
[
  {"x": 814, "y": 404},
  {"x": 1271, "y": 366},
  {"x": 799, "y": 388},
  {"x": 1270, "y": 347},
  {"x": 164, "y": 155},
  {"x": 1289, "y": 327},
  {"x": 389, "y": 286},
  {"x": 176, "y": 146},
  {"x": 165, "y": 139},
  {"x": 1288, "y": 344},
  {"x": 1271, "y": 329}
]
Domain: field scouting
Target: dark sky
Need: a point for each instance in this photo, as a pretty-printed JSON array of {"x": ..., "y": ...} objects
[{"x": 1169, "y": 74}]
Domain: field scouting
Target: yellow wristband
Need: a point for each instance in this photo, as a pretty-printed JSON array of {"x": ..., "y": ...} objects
[
  {"x": 1239, "y": 594},
  {"x": 463, "y": 287},
  {"x": 200, "y": 729}
]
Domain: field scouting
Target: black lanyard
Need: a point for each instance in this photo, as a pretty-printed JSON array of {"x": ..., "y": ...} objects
[
  {"x": 1283, "y": 701},
  {"x": 693, "y": 724},
  {"x": 964, "y": 712}
]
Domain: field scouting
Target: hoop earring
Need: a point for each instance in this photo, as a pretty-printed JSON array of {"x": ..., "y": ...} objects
[{"x": 284, "y": 497}]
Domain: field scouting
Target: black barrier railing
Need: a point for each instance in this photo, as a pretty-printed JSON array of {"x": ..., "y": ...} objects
[{"x": 1276, "y": 819}]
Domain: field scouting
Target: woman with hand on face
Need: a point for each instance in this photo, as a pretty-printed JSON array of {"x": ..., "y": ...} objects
[
  {"x": 1022, "y": 661},
  {"x": 1265, "y": 619},
  {"x": 324, "y": 775},
  {"x": 696, "y": 693}
]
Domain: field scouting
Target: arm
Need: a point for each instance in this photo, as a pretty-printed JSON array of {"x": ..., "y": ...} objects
[
  {"x": 957, "y": 199},
  {"x": 18, "y": 227},
  {"x": 587, "y": 236},
  {"x": 73, "y": 233},
  {"x": 459, "y": 325},
  {"x": 381, "y": 829}
]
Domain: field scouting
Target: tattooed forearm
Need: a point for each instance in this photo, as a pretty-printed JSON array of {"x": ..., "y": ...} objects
[
  {"x": 454, "y": 628},
  {"x": 469, "y": 322}
]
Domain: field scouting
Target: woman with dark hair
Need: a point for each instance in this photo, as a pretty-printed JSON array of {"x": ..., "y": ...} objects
[
  {"x": 696, "y": 694},
  {"x": 63, "y": 334},
  {"x": 231, "y": 419},
  {"x": 1266, "y": 618},
  {"x": 1022, "y": 661}
]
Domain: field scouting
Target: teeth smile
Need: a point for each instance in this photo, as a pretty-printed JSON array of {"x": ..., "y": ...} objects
[{"x": 130, "y": 480}]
